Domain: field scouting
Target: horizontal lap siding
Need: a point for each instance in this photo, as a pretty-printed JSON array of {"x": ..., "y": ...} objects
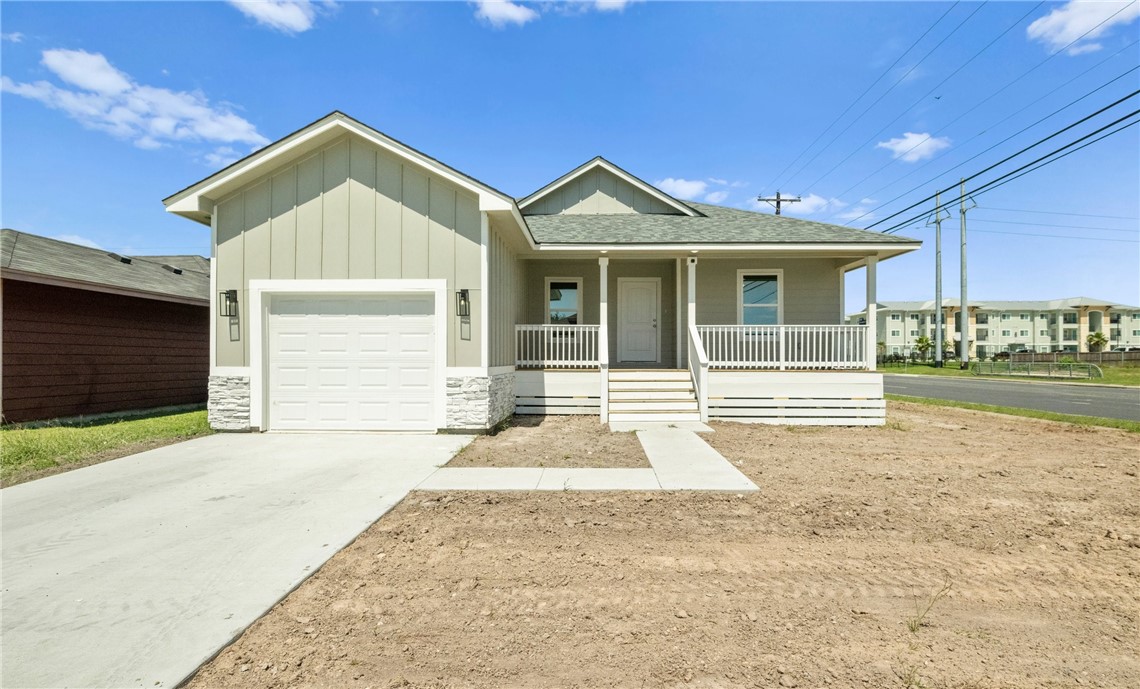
[{"x": 69, "y": 352}]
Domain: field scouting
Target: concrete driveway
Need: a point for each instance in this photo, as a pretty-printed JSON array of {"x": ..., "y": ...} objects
[{"x": 133, "y": 572}]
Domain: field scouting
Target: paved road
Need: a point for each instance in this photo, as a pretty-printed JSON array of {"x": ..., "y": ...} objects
[
  {"x": 133, "y": 572},
  {"x": 1113, "y": 403}
]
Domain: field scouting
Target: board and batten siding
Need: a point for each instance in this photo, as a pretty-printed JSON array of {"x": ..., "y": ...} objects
[
  {"x": 598, "y": 192},
  {"x": 350, "y": 211},
  {"x": 507, "y": 299},
  {"x": 810, "y": 289}
]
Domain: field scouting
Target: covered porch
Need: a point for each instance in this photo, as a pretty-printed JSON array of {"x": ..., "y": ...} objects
[{"x": 694, "y": 337}]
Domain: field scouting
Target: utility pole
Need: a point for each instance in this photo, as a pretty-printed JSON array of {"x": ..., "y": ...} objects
[
  {"x": 778, "y": 200},
  {"x": 964, "y": 337},
  {"x": 938, "y": 316}
]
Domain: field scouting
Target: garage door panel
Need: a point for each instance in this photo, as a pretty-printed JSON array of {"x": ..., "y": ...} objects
[{"x": 352, "y": 363}]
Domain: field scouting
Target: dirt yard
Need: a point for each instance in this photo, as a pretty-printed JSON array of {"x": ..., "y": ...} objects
[
  {"x": 554, "y": 442},
  {"x": 812, "y": 582}
]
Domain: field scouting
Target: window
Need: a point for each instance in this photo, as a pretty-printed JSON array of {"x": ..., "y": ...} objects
[
  {"x": 914, "y": 333},
  {"x": 983, "y": 319},
  {"x": 1043, "y": 316},
  {"x": 1023, "y": 333},
  {"x": 1114, "y": 318},
  {"x": 1114, "y": 334},
  {"x": 983, "y": 334},
  {"x": 1136, "y": 333},
  {"x": 1024, "y": 316},
  {"x": 1005, "y": 333},
  {"x": 1005, "y": 316},
  {"x": 1043, "y": 333},
  {"x": 563, "y": 300},
  {"x": 760, "y": 302},
  {"x": 1069, "y": 334},
  {"x": 1136, "y": 316},
  {"x": 895, "y": 317},
  {"x": 914, "y": 316},
  {"x": 1069, "y": 318},
  {"x": 894, "y": 333}
]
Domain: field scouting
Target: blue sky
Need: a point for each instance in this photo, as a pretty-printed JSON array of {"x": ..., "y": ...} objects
[{"x": 109, "y": 107}]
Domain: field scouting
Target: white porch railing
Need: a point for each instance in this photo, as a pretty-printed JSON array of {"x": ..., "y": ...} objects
[
  {"x": 556, "y": 346},
  {"x": 699, "y": 370},
  {"x": 783, "y": 347}
]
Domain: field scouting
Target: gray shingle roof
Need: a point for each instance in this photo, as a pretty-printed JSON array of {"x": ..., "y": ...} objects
[
  {"x": 719, "y": 225},
  {"x": 31, "y": 253}
]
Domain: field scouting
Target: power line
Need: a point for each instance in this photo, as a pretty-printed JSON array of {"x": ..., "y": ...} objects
[
  {"x": 990, "y": 97},
  {"x": 1008, "y": 177},
  {"x": 880, "y": 98},
  {"x": 1066, "y": 106},
  {"x": 1069, "y": 227},
  {"x": 1011, "y": 157},
  {"x": 1082, "y": 215},
  {"x": 865, "y": 92},
  {"x": 1059, "y": 236},
  {"x": 924, "y": 96}
]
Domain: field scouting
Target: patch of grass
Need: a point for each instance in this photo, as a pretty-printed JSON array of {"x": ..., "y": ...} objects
[
  {"x": 1113, "y": 375},
  {"x": 1122, "y": 424},
  {"x": 922, "y": 608},
  {"x": 28, "y": 452},
  {"x": 909, "y": 677}
]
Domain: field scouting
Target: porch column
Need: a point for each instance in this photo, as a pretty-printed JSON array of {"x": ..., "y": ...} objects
[
  {"x": 872, "y": 325},
  {"x": 692, "y": 312},
  {"x": 604, "y": 336}
]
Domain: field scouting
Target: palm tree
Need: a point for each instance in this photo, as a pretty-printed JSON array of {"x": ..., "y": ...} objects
[
  {"x": 1096, "y": 341},
  {"x": 923, "y": 345}
]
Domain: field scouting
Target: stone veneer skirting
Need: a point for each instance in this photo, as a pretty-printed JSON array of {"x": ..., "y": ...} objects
[
  {"x": 480, "y": 402},
  {"x": 228, "y": 406}
]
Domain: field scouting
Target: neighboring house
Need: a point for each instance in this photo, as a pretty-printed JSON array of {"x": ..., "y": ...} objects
[
  {"x": 88, "y": 332},
  {"x": 363, "y": 285},
  {"x": 1055, "y": 325}
]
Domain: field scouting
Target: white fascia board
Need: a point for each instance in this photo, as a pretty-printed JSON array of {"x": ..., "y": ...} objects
[
  {"x": 23, "y": 276},
  {"x": 622, "y": 174},
  {"x": 187, "y": 202},
  {"x": 865, "y": 248}
]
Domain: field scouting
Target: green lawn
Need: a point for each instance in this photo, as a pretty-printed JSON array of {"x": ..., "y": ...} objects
[
  {"x": 27, "y": 453},
  {"x": 1130, "y": 426},
  {"x": 1113, "y": 375}
]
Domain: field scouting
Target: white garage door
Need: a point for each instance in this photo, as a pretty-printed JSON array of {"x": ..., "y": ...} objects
[{"x": 352, "y": 363}]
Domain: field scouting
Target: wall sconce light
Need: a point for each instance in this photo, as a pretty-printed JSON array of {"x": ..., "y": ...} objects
[
  {"x": 463, "y": 303},
  {"x": 228, "y": 303}
]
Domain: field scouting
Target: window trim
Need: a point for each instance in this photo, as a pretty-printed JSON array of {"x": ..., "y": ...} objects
[
  {"x": 546, "y": 298},
  {"x": 777, "y": 273}
]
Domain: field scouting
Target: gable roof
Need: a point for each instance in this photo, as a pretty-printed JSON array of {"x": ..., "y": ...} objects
[
  {"x": 714, "y": 225},
  {"x": 40, "y": 259},
  {"x": 195, "y": 201},
  {"x": 600, "y": 162}
]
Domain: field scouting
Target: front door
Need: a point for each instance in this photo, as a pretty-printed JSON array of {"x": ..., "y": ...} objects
[{"x": 639, "y": 310}]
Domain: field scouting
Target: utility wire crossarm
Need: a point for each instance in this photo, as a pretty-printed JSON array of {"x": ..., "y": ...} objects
[{"x": 777, "y": 200}]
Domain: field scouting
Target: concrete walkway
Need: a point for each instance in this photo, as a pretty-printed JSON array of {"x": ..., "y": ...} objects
[
  {"x": 133, "y": 572},
  {"x": 680, "y": 460}
]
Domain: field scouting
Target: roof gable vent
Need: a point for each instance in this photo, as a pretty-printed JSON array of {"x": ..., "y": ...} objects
[{"x": 120, "y": 259}]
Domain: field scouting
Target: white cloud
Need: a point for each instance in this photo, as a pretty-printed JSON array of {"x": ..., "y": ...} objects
[
  {"x": 499, "y": 13},
  {"x": 717, "y": 180},
  {"x": 14, "y": 37},
  {"x": 77, "y": 239},
  {"x": 807, "y": 205},
  {"x": 221, "y": 156},
  {"x": 286, "y": 16},
  {"x": 911, "y": 147},
  {"x": 108, "y": 100},
  {"x": 716, "y": 196},
  {"x": 1070, "y": 22},
  {"x": 611, "y": 5},
  {"x": 687, "y": 189}
]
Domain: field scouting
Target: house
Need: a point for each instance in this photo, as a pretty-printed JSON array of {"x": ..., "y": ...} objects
[
  {"x": 87, "y": 332},
  {"x": 1055, "y": 325},
  {"x": 362, "y": 285}
]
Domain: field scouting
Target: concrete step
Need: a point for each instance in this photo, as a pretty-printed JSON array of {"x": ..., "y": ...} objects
[
  {"x": 618, "y": 375},
  {"x": 653, "y": 405},
  {"x": 663, "y": 416},
  {"x": 651, "y": 394},
  {"x": 634, "y": 385}
]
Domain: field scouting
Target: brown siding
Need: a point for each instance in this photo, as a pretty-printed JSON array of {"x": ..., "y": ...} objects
[{"x": 69, "y": 352}]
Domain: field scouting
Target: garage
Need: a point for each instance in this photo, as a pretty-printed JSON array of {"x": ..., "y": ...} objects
[{"x": 351, "y": 362}]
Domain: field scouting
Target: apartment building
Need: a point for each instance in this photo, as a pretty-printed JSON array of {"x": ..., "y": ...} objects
[{"x": 1055, "y": 325}]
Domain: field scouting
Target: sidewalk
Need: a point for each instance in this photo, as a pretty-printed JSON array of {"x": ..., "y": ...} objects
[{"x": 680, "y": 460}]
